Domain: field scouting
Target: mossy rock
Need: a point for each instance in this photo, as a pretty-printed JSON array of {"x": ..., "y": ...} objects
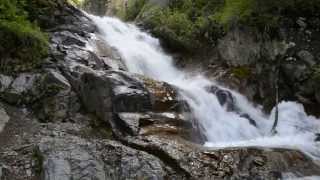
[
  {"x": 241, "y": 72},
  {"x": 24, "y": 46}
]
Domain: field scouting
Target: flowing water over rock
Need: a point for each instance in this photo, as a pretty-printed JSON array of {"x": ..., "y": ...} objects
[{"x": 227, "y": 119}]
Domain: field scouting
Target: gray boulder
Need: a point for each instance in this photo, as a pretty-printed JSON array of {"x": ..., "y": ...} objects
[{"x": 4, "y": 118}]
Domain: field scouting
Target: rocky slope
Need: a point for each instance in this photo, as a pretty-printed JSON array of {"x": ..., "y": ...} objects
[{"x": 82, "y": 116}]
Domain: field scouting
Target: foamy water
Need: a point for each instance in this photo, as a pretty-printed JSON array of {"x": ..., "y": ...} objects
[{"x": 143, "y": 54}]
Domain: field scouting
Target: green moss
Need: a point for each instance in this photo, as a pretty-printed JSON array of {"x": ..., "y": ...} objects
[
  {"x": 38, "y": 161},
  {"x": 241, "y": 72},
  {"x": 22, "y": 44},
  {"x": 234, "y": 9},
  {"x": 316, "y": 73}
]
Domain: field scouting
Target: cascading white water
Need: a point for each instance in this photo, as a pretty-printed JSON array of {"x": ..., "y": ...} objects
[{"x": 142, "y": 54}]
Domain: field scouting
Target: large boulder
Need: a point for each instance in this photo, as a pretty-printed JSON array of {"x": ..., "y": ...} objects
[
  {"x": 75, "y": 158},
  {"x": 120, "y": 91},
  {"x": 138, "y": 104}
]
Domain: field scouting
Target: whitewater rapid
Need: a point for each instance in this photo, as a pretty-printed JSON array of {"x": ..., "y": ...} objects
[{"x": 143, "y": 54}]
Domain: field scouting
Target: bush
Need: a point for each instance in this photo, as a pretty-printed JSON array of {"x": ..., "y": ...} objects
[
  {"x": 22, "y": 44},
  {"x": 194, "y": 24},
  {"x": 181, "y": 25},
  {"x": 134, "y": 7},
  {"x": 234, "y": 10}
]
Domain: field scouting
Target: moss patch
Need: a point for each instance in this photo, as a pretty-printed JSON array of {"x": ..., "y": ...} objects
[
  {"x": 241, "y": 72},
  {"x": 22, "y": 44}
]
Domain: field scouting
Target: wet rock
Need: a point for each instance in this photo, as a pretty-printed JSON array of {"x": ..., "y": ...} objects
[
  {"x": 224, "y": 97},
  {"x": 109, "y": 55},
  {"x": 135, "y": 103},
  {"x": 153, "y": 123},
  {"x": 251, "y": 121},
  {"x": 127, "y": 93},
  {"x": 317, "y": 137},
  {"x": 4, "y": 118},
  {"x": 67, "y": 38},
  {"x": 197, "y": 162},
  {"x": 163, "y": 96}
]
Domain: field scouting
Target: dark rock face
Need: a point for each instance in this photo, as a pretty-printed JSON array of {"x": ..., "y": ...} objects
[
  {"x": 227, "y": 100},
  {"x": 81, "y": 116},
  {"x": 224, "y": 97}
]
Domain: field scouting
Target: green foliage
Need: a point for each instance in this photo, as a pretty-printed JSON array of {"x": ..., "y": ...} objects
[
  {"x": 77, "y": 3},
  {"x": 262, "y": 14},
  {"x": 316, "y": 73},
  {"x": 133, "y": 8},
  {"x": 178, "y": 28},
  {"x": 234, "y": 9},
  {"x": 22, "y": 44},
  {"x": 194, "y": 24},
  {"x": 183, "y": 24}
]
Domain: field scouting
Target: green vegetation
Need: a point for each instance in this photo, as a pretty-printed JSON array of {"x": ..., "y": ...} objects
[
  {"x": 316, "y": 73},
  {"x": 184, "y": 24},
  {"x": 133, "y": 8},
  {"x": 194, "y": 24},
  {"x": 22, "y": 44},
  {"x": 234, "y": 10},
  {"x": 77, "y": 3},
  {"x": 241, "y": 72}
]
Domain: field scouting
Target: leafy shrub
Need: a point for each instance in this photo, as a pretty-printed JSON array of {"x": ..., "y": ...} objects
[
  {"x": 181, "y": 24},
  {"x": 233, "y": 10},
  {"x": 134, "y": 7},
  {"x": 194, "y": 24},
  {"x": 77, "y": 3},
  {"x": 22, "y": 44}
]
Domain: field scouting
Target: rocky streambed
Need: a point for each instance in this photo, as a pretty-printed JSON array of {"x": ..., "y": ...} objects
[{"x": 81, "y": 115}]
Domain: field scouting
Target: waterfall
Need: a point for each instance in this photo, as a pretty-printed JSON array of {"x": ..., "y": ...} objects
[{"x": 142, "y": 54}]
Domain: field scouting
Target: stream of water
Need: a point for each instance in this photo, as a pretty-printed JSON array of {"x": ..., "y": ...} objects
[{"x": 143, "y": 54}]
